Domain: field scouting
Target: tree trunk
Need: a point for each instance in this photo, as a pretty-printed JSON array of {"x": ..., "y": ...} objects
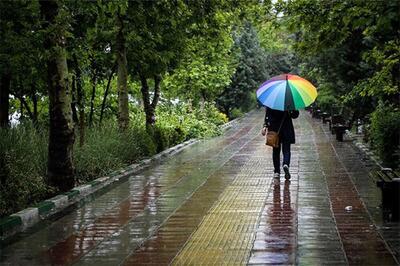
[
  {"x": 28, "y": 109},
  {"x": 123, "y": 107},
  {"x": 94, "y": 80},
  {"x": 150, "y": 107},
  {"x": 80, "y": 102},
  {"x": 73, "y": 103},
  {"x": 21, "y": 110},
  {"x": 103, "y": 104},
  {"x": 35, "y": 102},
  {"x": 61, "y": 131},
  {"x": 5, "y": 82},
  {"x": 202, "y": 100}
]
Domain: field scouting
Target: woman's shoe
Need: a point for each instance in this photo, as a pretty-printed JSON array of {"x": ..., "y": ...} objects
[
  {"x": 286, "y": 169},
  {"x": 276, "y": 176}
]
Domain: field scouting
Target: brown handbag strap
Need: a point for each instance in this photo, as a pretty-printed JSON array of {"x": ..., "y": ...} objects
[{"x": 283, "y": 119}]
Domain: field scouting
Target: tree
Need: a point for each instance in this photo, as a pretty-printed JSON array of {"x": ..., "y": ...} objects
[
  {"x": 113, "y": 21},
  {"x": 19, "y": 55},
  {"x": 353, "y": 55},
  {"x": 4, "y": 99},
  {"x": 207, "y": 63},
  {"x": 90, "y": 58},
  {"x": 162, "y": 31},
  {"x": 155, "y": 44},
  {"x": 123, "y": 108},
  {"x": 61, "y": 131},
  {"x": 348, "y": 50},
  {"x": 250, "y": 72}
]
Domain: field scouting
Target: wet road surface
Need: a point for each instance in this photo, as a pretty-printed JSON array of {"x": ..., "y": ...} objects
[{"x": 217, "y": 203}]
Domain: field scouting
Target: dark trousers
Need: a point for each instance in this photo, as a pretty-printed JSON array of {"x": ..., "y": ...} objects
[{"x": 285, "y": 146}]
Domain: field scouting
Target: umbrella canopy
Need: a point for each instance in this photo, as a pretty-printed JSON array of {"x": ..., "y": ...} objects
[{"x": 286, "y": 92}]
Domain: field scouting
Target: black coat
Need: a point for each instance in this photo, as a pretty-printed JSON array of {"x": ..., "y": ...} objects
[{"x": 273, "y": 119}]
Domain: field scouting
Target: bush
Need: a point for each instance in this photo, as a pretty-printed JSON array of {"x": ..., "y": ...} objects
[
  {"x": 101, "y": 152},
  {"x": 385, "y": 134},
  {"x": 327, "y": 98},
  {"x": 181, "y": 124},
  {"x": 235, "y": 113},
  {"x": 23, "y": 158},
  {"x": 213, "y": 115},
  {"x": 327, "y": 103},
  {"x": 23, "y": 150}
]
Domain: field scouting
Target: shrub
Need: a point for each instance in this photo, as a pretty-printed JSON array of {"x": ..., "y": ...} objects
[
  {"x": 327, "y": 102},
  {"x": 23, "y": 158},
  {"x": 214, "y": 115},
  {"x": 23, "y": 150},
  {"x": 100, "y": 153},
  {"x": 235, "y": 113},
  {"x": 107, "y": 149},
  {"x": 385, "y": 134}
]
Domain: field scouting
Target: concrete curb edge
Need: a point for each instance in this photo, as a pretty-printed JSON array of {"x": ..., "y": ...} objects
[
  {"x": 26, "y": 218},
  {"x": 363, "y": 148}
]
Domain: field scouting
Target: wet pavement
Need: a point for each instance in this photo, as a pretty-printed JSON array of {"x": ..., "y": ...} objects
[{"x": 217, "y": 203}]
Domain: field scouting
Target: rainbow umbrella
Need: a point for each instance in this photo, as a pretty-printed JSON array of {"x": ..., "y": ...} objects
[{"x": 286, "y": 92}]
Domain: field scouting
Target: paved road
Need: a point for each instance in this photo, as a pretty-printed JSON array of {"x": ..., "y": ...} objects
[{"x": 216, "y": 203}]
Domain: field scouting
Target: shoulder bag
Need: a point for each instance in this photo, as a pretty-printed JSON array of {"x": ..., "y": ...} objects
[{"x": 272, "y": 137}]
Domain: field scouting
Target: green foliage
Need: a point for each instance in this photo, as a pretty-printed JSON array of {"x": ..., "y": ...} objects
[
  {"x": 382, "y": 83},
  {"x": 207, "y": 63},
  {"x": 350, "y": 50},
  {"x": 101, "y": 152},
  {"x": 236, "y": 112},
  {"x": 23, "y": 150},
  {"x": 212, "y": 114},
  {"x": 179, "y": 123},
  {"x": 205, "y": 70},
  {"x": 262, "y": 51},
  {"x": 156, "y": 44},
  {"x": 250, "y": 72},
  {"x": 353, "y": 48},
  {"x": 385, "y": 134},
  {"x": 23, "y": 157}
]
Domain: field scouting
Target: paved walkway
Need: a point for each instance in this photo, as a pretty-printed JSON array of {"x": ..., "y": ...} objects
[{"x": 216, "y": 203}]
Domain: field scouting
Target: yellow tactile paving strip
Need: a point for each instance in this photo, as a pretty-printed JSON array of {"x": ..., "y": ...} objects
[{"x": 227, "y": 232}]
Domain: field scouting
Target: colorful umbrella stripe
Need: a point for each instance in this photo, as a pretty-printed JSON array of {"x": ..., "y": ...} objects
[{"x": 286, "y": 92}]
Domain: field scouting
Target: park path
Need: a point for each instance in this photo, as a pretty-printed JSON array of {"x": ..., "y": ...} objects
[{"x": 216, "y": 203}]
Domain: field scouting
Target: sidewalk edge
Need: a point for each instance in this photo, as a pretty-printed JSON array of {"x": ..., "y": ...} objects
[{"x": 26, "y": 218}]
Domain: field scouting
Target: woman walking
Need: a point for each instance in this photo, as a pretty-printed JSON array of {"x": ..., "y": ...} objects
[{"x": 281, "y": 121}]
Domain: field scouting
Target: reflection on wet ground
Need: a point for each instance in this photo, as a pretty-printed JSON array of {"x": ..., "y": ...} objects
[
  {"x": 276, "y": 233},
  {"x": 216, "y": 203}
]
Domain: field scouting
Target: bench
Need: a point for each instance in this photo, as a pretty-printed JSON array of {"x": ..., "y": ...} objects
[
  {"x": 325, "y": 117},
  {"x": 332, "y": 115},
  {"x": 316, "y": 112},
  {"x": 339, "y": 124},
  {"x": 389, "y": 183}
]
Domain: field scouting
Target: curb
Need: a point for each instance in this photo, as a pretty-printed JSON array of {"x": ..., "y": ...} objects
[
  {"x": 22, "y": 220},
  {"x": 360, "y": 145},
  {"x": 231, "y": 123},
  {"x": 364, "y": 148},
  {"x": 235, "y": 121}
]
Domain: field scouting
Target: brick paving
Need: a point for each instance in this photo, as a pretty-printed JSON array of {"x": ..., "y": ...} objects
[{"x": 216, "y": 203}]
